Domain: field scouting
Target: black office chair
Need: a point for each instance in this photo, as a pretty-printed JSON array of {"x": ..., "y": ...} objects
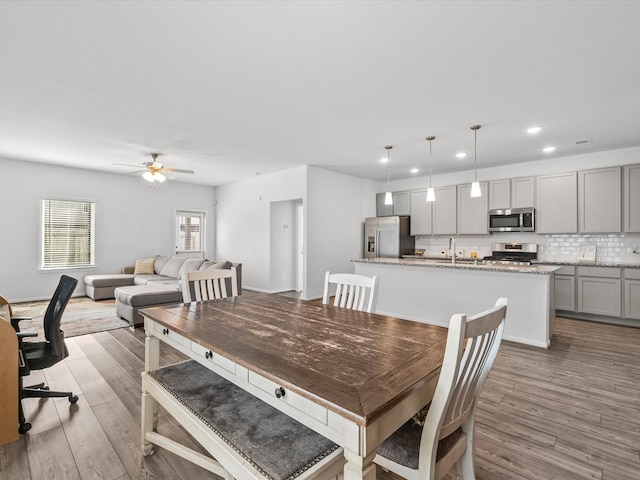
[{"x": 41, "y": 355}]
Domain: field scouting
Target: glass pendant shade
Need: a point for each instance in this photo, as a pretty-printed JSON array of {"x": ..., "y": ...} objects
[
  {"x": 431, "y": 194},
  {"x": 388, "y": 196},
  {"x": 475, "y": 186},
  {"x": 475, "y": 189}
]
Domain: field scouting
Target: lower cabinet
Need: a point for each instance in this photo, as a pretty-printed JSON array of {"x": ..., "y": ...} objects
[
  {"x": 600, "y": 291},
  {"x": 632, "y": 293},
  {"x": 565, "y": 289}
]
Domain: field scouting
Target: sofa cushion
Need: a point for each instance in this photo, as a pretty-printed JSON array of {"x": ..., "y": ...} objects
[
  {"x": 147, "y": 279},
  {"x": 146, "y": 295},
  {"x": 209, "y": 264},
  {"x": 144, "y": 266},
  {"x": 109, "y": 280},
  {"x": 190, "y": 265},
  {"x": 172, "y": 268},
  {"x": 159, "y": 264}
]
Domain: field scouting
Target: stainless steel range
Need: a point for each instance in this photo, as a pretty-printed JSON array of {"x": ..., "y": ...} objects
[{"x": 512, "y": 254}]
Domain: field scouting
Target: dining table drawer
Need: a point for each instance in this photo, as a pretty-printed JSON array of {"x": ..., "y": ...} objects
[
  {"x": 213, "y": 357},
  {"x": 167, "y": 335},
  {"x": 280, "y": 394}
]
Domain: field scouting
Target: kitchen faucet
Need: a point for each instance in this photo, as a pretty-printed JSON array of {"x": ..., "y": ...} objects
[{"x": 452, "y": 249}]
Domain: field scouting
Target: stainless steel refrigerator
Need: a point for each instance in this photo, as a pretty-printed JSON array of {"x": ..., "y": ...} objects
[{"x": 386, "y": 237}]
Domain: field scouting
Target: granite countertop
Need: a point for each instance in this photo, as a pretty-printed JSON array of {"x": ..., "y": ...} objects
[
  {"x": 576, "y": 263},
  {"x": 463, "y": 264}
]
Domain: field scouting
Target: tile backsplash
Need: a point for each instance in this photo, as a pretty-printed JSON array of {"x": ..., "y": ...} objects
[{"x": 610, "y": 248}]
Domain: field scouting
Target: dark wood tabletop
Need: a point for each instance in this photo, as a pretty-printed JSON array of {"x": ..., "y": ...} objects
[{"x": 356, "y": 364}]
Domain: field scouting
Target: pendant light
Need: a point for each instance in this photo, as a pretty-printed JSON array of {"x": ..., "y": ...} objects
[
  {"x": 388, "y": 196},
  {"x": 431, "y": 193},
  {"x": 475, "y": 186}
]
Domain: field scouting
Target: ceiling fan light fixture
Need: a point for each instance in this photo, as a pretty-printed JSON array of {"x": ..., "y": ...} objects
[{"x": 154, "y": 177}]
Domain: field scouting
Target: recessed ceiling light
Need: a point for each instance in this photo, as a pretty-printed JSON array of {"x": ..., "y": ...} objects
[
  {"x": 534, "y": 130},
  {"x": 461, "y": 155},
  {"x": 384, "y": 160},
  {"x": 414, "y": 170},
  {"x": 548, "y": 149}
]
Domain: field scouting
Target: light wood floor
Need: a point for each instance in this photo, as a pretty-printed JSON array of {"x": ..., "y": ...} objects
[{"x": 572, "y": 412}]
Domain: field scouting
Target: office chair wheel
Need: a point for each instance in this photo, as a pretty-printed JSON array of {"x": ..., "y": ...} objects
[
  {"x": 73, "y": 399},
  {"x": 24, "y": 428}
]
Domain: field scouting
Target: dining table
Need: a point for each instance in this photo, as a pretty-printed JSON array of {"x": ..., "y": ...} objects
[{"x": 352, "y": 376}]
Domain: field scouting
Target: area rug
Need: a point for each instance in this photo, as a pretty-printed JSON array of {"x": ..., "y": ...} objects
[{"x": 81, "y": 317}]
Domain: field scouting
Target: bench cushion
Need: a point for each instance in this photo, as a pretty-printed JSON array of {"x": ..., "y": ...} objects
[{"x": 263, "y": 435}]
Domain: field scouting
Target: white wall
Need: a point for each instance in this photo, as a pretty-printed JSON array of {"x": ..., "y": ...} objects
[
  {"x": 132, "y": 221},
  {"x": 244, "y": 221},
  {"x": 335, "y": 206}
]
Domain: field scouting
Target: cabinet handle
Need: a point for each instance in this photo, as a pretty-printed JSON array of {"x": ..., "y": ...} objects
[
  {"x": 208, "y": 354},
  {"x": 280, "y": 392},
  {"x": 165, "y": 331}
]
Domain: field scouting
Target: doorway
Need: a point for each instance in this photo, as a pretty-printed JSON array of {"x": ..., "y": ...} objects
[{"x": 286, "y": 247}]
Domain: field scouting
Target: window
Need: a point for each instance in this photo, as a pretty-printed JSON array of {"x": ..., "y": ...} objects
[
  {"x": 189, "y": 232},
  {"x": 68, "y": 233}
]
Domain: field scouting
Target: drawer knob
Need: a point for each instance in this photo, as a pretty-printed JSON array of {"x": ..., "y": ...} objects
[
  {"x": 280, "y": 392},
  {"x": 208, "y": 354},
  {"x": 165, "y": 331}
]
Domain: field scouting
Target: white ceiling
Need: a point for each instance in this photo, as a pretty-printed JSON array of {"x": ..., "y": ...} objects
[{"x": 232, "y": 88}]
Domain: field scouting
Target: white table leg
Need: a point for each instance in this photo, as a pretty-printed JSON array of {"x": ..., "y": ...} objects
[
  {"x": 149, "y": 407},
  {"x": 359, "y": 468}
]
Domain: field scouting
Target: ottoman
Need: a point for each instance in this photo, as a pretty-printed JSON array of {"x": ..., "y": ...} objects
[
  {"x": 130, "y": 299},
  {"x": 101, "y": 287}
]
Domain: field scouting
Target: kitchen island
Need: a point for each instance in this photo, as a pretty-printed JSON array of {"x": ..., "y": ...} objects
[{"x": 432, "y": 290}]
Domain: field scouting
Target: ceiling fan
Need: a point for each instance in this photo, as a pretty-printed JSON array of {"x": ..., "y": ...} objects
[{"x": 153, "y": 169}]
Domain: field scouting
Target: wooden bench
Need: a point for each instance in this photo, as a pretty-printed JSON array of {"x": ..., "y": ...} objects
[{"x": 248, "y": 438}]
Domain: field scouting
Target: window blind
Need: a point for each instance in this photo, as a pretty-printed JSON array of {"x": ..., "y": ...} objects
[{"x": 68, "y": 233}]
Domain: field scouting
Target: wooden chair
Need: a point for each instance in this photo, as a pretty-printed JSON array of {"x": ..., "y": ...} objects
[
  {"x": 352, "y": 291},
  {"x": 428, "y": 452},
  {"x": 209, "y": 284}
]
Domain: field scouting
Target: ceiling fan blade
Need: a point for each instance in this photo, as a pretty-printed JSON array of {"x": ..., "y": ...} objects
[
  {"x": 138, "y": 172},
  {"x": 126, "y": 165},
  {"x": 177, "y": 170}
]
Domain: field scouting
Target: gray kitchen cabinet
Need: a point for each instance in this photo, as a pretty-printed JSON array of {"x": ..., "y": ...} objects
[
  {"x": 632, "y": 198},
  {"x": 557, "y": 203},
  {"x": 445, "y": 211},
  {"x": 600, "y": 291},
  {"x": 632, "y": 293},
  {"x": 512, "y": 193},
  {"x": 401, "y": 205},
  {"x": 473, "y": 212},
  {"x": 565, "y": 289},
  {"x": 600, "y": 200},
  {"x": 421, "y": 213}
]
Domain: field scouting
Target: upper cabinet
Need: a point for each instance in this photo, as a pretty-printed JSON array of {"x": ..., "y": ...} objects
[
  {"x": 473, "y": 211},
  {"x": 557, "y": 203},
  {"x": 512, "y": 193},
  {"x": 421, "y": 213},
  {"x": 600, "y": 200},
  {"x": 401, "y": 205},
  {"x": 445, "y": 211},
  {"x": 632, "y": 198}
]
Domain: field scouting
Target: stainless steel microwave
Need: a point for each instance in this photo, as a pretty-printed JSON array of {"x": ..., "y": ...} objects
[{"x": 512, "y": 220}]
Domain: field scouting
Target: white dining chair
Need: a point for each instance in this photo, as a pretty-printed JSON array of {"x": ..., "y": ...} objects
[
  {"x": 357, "y": 292},
  {"x": 208, "y": 284},
  {"x": 428, "y": 452}
]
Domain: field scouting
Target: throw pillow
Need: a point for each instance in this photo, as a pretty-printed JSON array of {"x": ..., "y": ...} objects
[
  {"x": 144, "y": 266},
  {"x": 190, "y": 265},
  {"x": 161, "y": 261},
  {"x": 172, "y": 267}
]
